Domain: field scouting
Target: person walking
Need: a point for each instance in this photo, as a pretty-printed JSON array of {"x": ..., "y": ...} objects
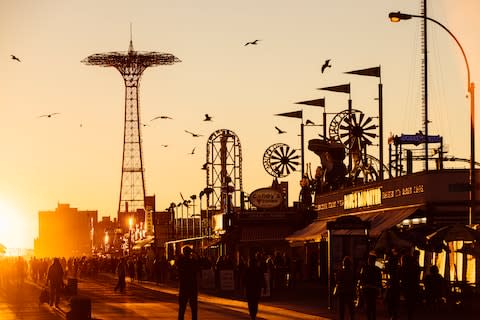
[
  {"x": 345, "y": 289},
  {"x": 392, "y": 298},
  {"x": 188, "y": 268},
  {"x": 254, "y": 281},
  {"x": 55, "y": 280},
  {"x": 410, "y": 281},
  {"x": 121, "y": 273},
  {"x": 371, "y": 283}
]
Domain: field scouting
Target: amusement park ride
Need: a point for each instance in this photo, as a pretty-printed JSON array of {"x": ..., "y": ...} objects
[{"x": 349, "y": 134}]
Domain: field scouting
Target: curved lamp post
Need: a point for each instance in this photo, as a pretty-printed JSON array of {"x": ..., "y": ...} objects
[{"x": 398, "y": 16}]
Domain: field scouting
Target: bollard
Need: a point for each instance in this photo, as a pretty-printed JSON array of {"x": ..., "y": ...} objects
[
  {"x": 72, "y": 285},
  {"x": 80, "y": 308}
]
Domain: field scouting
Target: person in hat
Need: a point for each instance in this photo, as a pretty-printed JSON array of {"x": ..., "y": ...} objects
[{"x": 188, "y": 268}]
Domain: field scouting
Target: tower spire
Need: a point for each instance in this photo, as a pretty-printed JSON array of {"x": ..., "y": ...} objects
[
  {"x": 131, "y": 66},
  {"x": 130, "y": 47}
]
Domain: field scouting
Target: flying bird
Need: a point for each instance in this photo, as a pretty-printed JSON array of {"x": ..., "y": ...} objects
[
  {"x": 280, "y": 131},
  {"x": 164, "y": 145},
  {"x": 255, "y": 42},
  {"x": 326, "y": 65},
  {"x": 48, "y": 115},
  {"x": 15, "y": 58},
  {"x": 161, "y": 117},
  {"x": 193, "y": 134},
  {"x": 207, "y": 117},
  {"x": 309, "y": 122}
]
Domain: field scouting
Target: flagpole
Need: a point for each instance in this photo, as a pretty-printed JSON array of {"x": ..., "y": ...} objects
[
  {"x": 380, "y": 127},
  {"x": 302, "y": 146},
  {"x": 376, "y": 72}
]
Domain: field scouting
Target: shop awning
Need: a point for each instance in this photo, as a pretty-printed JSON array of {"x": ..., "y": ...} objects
[
  {"x": 380, "y": 219},
  {"x": 313, "y": 232},
  {"x": 147, "y": 242}
]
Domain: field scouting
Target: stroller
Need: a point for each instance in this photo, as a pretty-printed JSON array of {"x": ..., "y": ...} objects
[{"x": 44, "y": 296}]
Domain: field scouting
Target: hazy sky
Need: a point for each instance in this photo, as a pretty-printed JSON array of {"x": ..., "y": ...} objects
[{"x": 75, "y": 157}]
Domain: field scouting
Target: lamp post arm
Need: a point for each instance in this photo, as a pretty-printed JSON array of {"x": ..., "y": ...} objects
[{"x": 454, "y": 38}]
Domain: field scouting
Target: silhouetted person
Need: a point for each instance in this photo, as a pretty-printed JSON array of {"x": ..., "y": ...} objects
[
  {"x": 345, "y": 289},
  {"x": 254, "y": 281},
  {"x": 435, "y": 288},
  {"x": 188, "y": 268},
  {"x": 55, "y": 279},
  {"x": 121, "y": 273},
  {"x": 371, "y": 282},
  {"x": 410, "y": 280},
  {"x": 392, "y": 298}
]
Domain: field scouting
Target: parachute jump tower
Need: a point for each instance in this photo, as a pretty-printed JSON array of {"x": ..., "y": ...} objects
[{"x": 131, "y": 65}]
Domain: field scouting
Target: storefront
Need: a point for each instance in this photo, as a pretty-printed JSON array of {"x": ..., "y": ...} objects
[{"x": 435, "y": 198}]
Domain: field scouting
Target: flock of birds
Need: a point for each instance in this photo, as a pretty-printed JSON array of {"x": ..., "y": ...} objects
[{"x": 326, "y": 64}]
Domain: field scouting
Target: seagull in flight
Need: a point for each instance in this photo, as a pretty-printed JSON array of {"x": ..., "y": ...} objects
[
  {"x": 326, "y": 65},
  {"x": 280, "y": 131},
  {"x": 193, "y": 134},
  {"x": 15, "y": 58},
  {"x": 161, "y": 117},
  {"x": 207, "y": 117},
  {"x": 255, "y": 42},
  {"x": 48, "y": 115},
  {"x": 309, "y": 122}
]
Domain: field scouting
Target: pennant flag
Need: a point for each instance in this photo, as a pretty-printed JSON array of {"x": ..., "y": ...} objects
[
  {"x": 341, "y": 88},
  {"x": 294, "y": 114},
  {"x": 316, "y": 102},
  {"x": 372, "y": 72}
]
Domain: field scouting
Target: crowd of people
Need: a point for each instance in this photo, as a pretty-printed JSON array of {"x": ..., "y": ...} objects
[{"x": 400, "y": 277}]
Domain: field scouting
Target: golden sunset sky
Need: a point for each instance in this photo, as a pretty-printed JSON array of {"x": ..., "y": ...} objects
[{"x": 75, "y": 157}]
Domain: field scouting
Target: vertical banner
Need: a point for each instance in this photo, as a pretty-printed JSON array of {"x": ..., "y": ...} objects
[{"x": 148, "y": 221}]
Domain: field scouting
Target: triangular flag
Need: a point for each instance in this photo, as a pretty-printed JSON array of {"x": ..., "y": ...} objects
[
  {"x": 341, "y": 88},
  {"x": 294, "y": 114},
  {"x": 372, "y": 72},
  {"x": 316, "y": 102}
]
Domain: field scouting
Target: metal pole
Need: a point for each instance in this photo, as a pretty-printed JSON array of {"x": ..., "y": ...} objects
[
  {"x": 425, "y": 74},
  {"x": 473, "y": 184},
  {"x": 380, "y": 126},
  {"x": 302, "y": 147},
  {"x": 471, "y": 91}
]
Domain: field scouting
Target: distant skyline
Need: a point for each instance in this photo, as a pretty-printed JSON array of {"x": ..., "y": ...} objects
[{"x": 74, "y": 156}]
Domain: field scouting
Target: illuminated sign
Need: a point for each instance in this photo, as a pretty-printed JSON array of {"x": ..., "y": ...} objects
[
  {"x": 266, "y": 198},
  {"x": 362, "y": 198}
]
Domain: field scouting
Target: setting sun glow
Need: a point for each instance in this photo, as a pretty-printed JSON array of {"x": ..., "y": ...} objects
[{"x": 13, "y": 233}]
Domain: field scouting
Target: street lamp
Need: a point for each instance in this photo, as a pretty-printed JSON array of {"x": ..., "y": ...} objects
[{"x": 396, "y": 17}]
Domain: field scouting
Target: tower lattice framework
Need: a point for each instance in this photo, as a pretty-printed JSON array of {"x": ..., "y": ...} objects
[
  {"x": 224, "y": 168},
  {"x": 131, "y": 66}
]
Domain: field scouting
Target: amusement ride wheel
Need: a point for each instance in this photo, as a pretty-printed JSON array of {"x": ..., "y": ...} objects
[
  {"x": 353, "y": 130},
  {"x": 279, "y": 160}
]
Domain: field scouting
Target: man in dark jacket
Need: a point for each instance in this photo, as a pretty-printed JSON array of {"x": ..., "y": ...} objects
[
  {"x": 254, "y": 281},
  {"x": 188, "y": 268},
  {"x": 55, "y": 279}
]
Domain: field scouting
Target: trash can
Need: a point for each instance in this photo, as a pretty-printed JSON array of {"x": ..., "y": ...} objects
[
  {"x": 80, "y": 308},
  {"x": 72, "y": 285}
]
